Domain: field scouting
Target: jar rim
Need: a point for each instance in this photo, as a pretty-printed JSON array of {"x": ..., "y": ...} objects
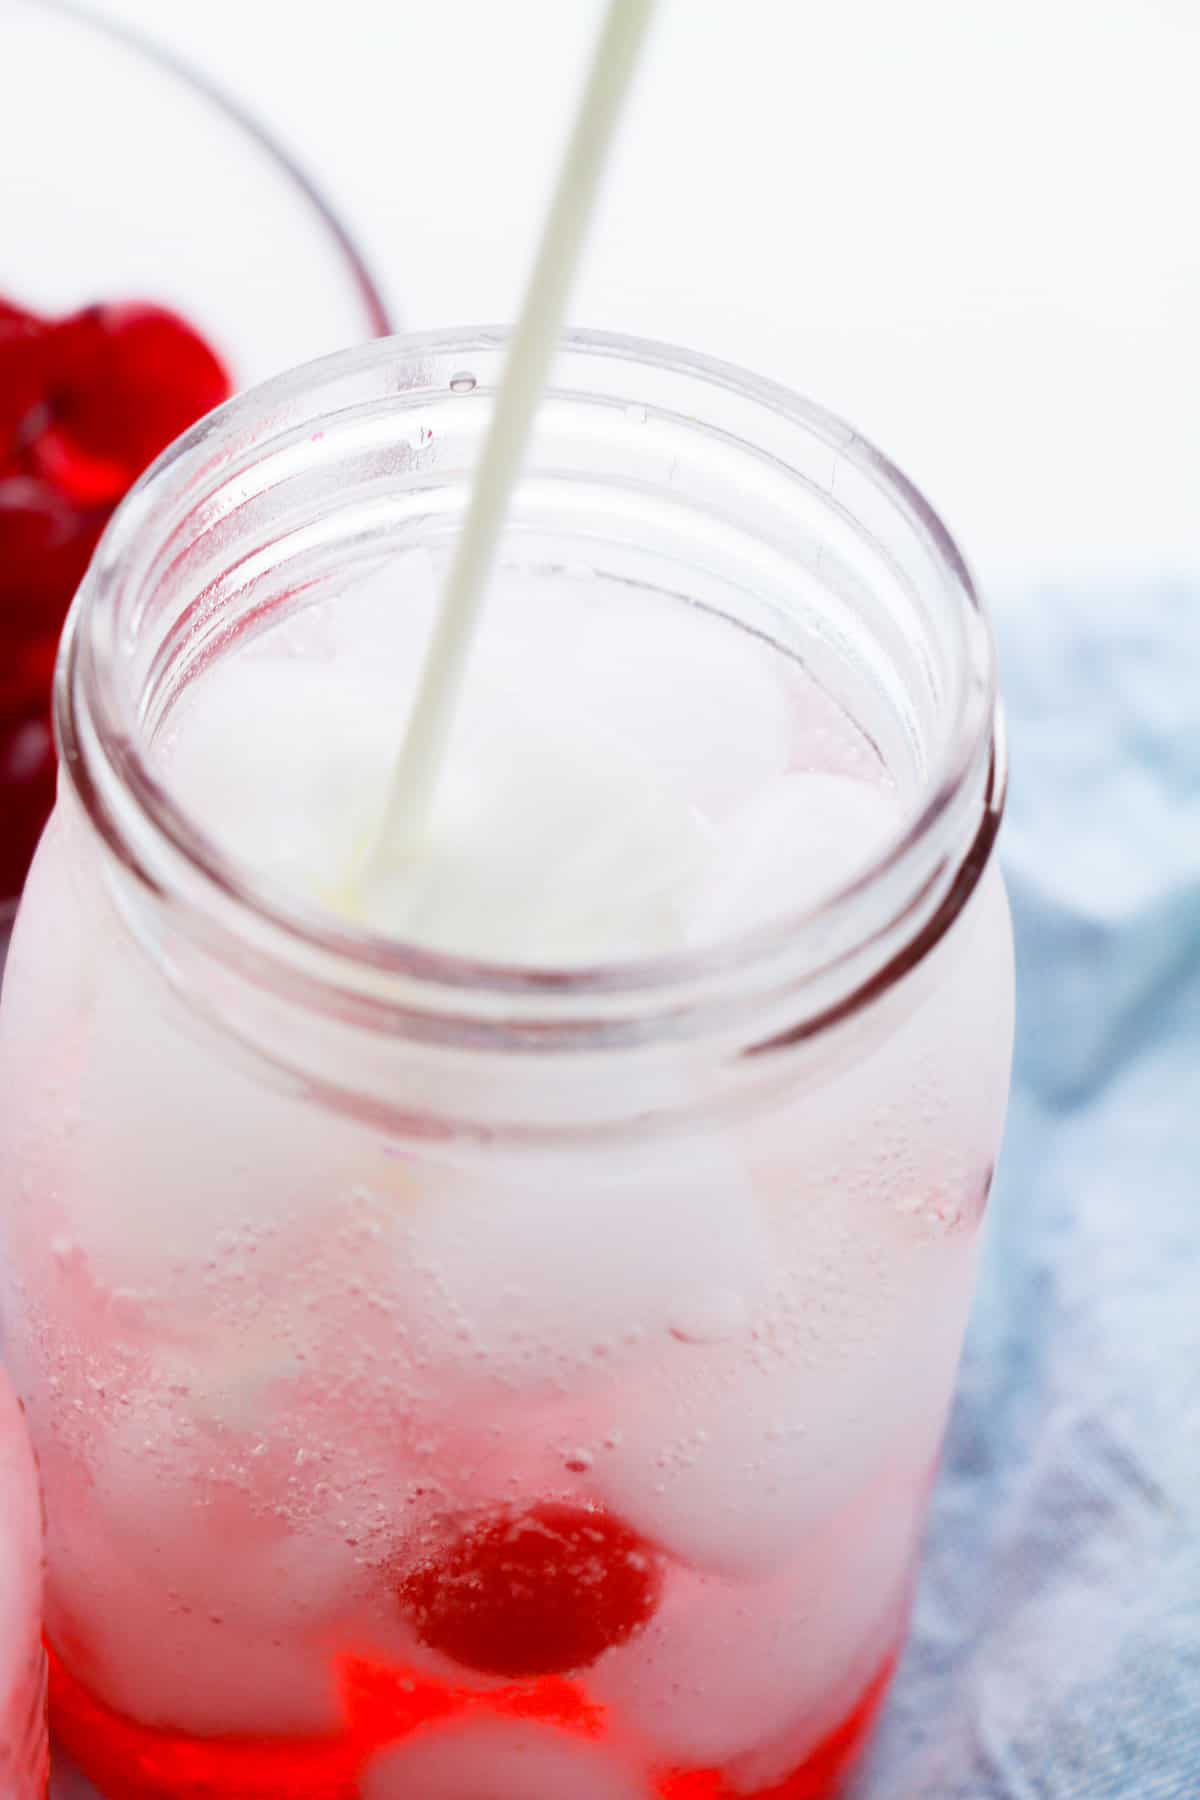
[{"x": 931, "y": 863}]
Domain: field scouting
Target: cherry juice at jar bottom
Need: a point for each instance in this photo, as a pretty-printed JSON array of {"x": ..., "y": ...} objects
[{"x": 385, "y": 1707}]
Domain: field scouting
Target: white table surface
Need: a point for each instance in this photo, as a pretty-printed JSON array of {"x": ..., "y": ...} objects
[{"x": 970, "y": 226}]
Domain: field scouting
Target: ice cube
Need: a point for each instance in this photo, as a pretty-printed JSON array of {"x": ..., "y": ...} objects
[
  {"x": 725, "y": 1667},
  {"x": 550, "y": 1271},
  {"x": 694, "y": 698},
  {"x": 191, "y": 1617},
  {"x": 546, "y": 845},
  {"x": 176, "y": 1212},
  {"x": 727, "y": 1453},
  {"x": 504, "y": 1761},
  {"x": 284, "y": 765},
  {"x": 282, "y": 752},
  {"x": 796, "y": 841}
]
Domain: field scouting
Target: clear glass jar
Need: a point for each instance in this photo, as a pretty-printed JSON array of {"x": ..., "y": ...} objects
[{"x": 438, "y": 1364}]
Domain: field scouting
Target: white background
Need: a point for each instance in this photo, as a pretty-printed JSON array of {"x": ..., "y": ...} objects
[{"x": 972, "y": 226}]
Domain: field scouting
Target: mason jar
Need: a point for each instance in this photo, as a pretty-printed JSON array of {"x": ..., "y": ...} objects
[{"x": 445, "y": 1362}]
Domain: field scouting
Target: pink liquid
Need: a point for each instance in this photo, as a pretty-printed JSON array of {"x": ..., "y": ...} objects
[
  {"x": 384, "y": 1707},
  {"x": 22, "y": 1666}
]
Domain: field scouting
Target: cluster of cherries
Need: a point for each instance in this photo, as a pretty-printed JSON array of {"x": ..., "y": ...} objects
[{"x": 86, "y": 403}]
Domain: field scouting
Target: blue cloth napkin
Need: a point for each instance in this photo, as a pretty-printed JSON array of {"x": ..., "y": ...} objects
[{"x": 1056, "y": 1646}]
